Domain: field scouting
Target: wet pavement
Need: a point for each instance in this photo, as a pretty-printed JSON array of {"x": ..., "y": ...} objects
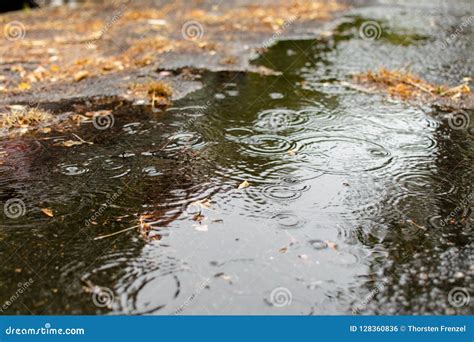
[{"x": 356, "y": 203}]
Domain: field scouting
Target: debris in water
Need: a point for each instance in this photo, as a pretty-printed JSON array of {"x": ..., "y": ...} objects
[
  {"x": 47, "y": 212},
  {"x": 331, "y": 244},
  {"x": 198, "y": 217},
  {"x": 243, "y": 185},
  {"x": 71, "y": 143},
  {"x": 204, "y": 203},
  {"x": 160, "y": 94},
  {"x": 408, "y": 86},
  {"x": 24, "y": 117}
]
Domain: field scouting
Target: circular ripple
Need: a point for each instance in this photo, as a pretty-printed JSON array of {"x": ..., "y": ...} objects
[
  {"x": 275, "y": 120},
  {"x": 345, "y": 259},
  {"x": 281, "y": 193},
  {"x": 318, "y": 244},
  {"x": 288, "y": 220},
  {"x": 72, "y": 170},
  {"x": 141, "y": 284},
  {"x": 425, "y": 183},
  {"x": 267, "y": 145},
  {"x": 180, "y": 140},
  {"x": 343, "y": 155},
  {"x": 410, "y": 142}
]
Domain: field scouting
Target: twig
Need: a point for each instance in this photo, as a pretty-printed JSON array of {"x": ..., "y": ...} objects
[
  {"x": 358, "y": 88},
  {"x": 82, "y": 140},
  {"x": 417, "y": 86},
  {"x": 116, "y": 233}
]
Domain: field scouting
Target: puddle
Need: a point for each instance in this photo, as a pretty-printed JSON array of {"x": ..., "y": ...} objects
[{"x": 334, "y": 175}]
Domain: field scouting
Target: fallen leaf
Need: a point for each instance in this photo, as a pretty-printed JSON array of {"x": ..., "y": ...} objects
[
  {"x": 283, "y": 250},
  {"x": 198, "y": 217},
  {"x": 69, "y": 143},
  {"x": 24, "y": 86},
  {"x": 243, "y": 185},
  {"x": 331, "y": 244},
  {"x": 81, "y": 75},
  {"x": 204, "y": 203},
  {"x": 47, "y": 212}
]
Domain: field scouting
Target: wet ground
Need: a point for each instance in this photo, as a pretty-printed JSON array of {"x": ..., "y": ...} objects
[{"x": 357, "y": 203}]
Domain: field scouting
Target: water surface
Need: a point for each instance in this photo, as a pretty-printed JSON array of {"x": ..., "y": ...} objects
[{"x": 357, "y": 202}]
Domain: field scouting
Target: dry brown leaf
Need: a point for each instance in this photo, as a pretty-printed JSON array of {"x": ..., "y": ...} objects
[
  {"x": 198, "y": 217},
  {"x": 47, "y": 212}
]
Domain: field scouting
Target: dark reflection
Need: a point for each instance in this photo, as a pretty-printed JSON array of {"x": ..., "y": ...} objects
[{"x": 16, "y": 5}]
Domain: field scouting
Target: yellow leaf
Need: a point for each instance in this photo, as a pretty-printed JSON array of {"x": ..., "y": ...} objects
[
  {"x": 243, "y": 185},
  {"x": 24, "y": 86},
  {"x": 47, "y": 212}
]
